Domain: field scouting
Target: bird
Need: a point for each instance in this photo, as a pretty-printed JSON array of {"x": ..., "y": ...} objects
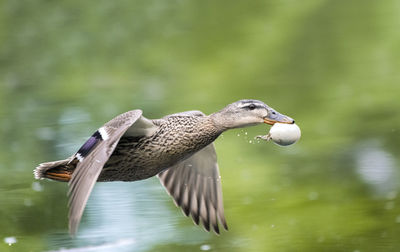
[{"x": 177, "y": 148}]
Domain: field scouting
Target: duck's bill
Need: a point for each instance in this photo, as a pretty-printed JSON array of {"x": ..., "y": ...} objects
[{"x": 278, "y": 118}]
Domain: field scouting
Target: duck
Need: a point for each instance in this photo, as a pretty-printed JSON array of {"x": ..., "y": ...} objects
[{"x": 177, "y": 148}]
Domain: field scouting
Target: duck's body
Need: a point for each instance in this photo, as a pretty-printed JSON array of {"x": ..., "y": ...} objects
[
  {"x": 178, "y": 148},
  {"x": 177, "y": 138}
]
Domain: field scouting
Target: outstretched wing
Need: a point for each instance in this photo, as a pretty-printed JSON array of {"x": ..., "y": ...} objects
[
  {"x": 94, "y": 154},
  {"x": 195, "y": 186}
]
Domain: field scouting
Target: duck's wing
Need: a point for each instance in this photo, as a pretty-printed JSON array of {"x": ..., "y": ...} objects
[
  {"x": 195, "y": 186},
  {"x": 94, "y": 154}
]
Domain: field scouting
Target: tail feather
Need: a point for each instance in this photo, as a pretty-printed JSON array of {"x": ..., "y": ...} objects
[{"x": 60, "y": 170}]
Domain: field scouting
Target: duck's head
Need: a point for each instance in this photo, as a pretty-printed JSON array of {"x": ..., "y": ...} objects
[{"x": 245, "y": 113}]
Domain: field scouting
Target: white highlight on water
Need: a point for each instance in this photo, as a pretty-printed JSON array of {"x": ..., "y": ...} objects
[
  {"x": 205, "y": 247},
  {"x": 377, "y": 167},
  {"x": 10, "y": 240}
]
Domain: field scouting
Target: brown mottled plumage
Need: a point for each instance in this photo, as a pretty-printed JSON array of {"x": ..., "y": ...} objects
[
  {"x": 175, "y": 135},
  {"x": 178, "y": 148}
]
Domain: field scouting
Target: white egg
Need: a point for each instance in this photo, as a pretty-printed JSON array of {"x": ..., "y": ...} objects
[{"x": 284, "y": 134}]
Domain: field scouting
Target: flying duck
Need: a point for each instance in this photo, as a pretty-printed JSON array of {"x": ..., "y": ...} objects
[{"x": 177, "y": 148}]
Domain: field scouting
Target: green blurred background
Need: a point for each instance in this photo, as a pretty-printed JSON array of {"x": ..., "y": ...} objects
[{"x": 66, "y": 67}]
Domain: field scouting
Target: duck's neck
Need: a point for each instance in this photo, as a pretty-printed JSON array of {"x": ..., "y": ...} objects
[
  {"x": 224, "y": 120},
  {"x": 221, "y": 122}
]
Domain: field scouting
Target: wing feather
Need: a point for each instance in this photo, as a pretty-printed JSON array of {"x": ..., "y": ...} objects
[
  {"x": 89, "y": 168},
  {"x": 195, "y": 187}
]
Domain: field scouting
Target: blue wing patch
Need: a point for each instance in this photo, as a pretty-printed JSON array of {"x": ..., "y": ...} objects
[{"x": 89, "y": 145}]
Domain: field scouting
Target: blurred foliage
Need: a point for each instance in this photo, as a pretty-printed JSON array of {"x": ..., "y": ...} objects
[{"x": 66, "y": 67}]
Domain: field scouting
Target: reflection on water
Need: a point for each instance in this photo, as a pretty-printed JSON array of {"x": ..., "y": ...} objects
[{"x": 118, "y": 213}]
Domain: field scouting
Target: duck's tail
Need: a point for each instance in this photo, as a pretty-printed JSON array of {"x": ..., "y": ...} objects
[{"x": 60, "y": 170}]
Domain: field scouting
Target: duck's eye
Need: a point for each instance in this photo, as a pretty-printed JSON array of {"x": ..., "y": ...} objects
[
  {"x": 252, "y": 106},
  {"x": 273, "y": 112}
]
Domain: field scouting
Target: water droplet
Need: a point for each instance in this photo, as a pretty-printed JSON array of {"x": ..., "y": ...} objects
[
  {"x": 272, "y": 226},
  {"x": 238, "y": 134},
  {"x": 10, "y": 240},
  {"x": 250, "y": 141},
  {"x": 245, "y": 133},
  {"x": 205, "y": 247}
]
